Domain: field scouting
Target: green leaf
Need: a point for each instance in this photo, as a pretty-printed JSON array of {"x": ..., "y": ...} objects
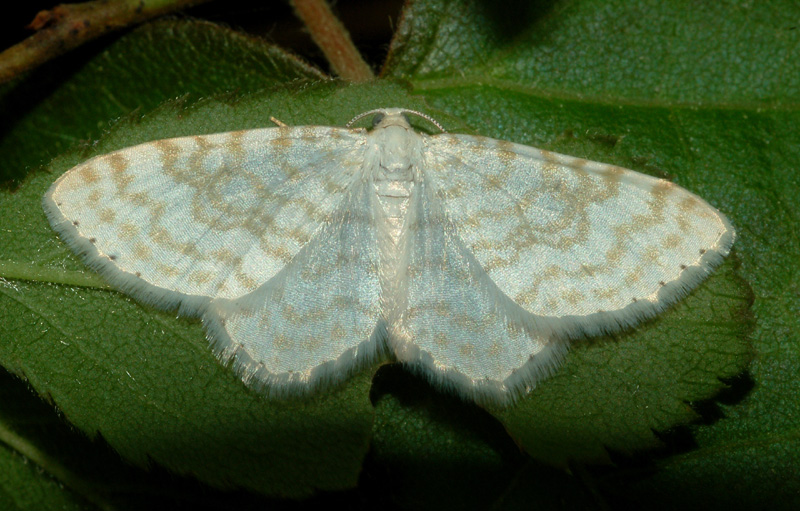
[
  {"x": 39, "y": 491},
  {"x": 52, "y": 110},
  {"x": 662, "y": 54},
  {"x": 614, "y": 392},
  {"x": 46, "y": 465},
  {"x": 23, "y": 485},
  {"x": 703, "y": 94}
]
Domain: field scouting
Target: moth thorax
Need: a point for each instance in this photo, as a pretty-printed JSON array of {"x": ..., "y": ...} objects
[{"x": 398, "y": 149}]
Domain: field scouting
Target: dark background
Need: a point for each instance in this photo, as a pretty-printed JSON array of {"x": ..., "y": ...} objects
[{"x": 370, "y": 22}]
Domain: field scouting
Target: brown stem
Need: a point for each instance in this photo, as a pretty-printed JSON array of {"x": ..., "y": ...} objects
[
  {"x": 333, "y": 39},
  {"x": 65, "y": 27}
]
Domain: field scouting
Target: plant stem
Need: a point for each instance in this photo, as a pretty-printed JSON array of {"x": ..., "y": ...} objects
[
  {"x": 65, "y": 27},
  {"x": 333, "y": 39}
]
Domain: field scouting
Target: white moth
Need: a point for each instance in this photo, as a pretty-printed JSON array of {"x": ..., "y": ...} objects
[{"x": 309, "y": 251}]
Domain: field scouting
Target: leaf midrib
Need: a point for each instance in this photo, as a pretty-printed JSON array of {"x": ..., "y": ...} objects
[{"x": 478, "y": 80}]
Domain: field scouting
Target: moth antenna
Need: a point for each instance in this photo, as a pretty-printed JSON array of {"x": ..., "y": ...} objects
[{"x": 405, "y": 111}]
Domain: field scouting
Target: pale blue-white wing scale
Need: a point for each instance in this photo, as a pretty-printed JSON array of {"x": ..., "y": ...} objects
[
  {"x": 187, "y": 220},
  {"x": 319, "y": 318},
  {"x": 586, "y": 247},
  {"x": 456, "y": 324},
  {"x": 276, "y": 237}
]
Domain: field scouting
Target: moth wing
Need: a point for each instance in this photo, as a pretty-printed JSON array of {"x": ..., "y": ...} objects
[
  {"x": 592, "y": 246},
  {"x": 318, "y": 319},
  {"x": 456, "y": 325},
  {"x": 187, "y": 220}
]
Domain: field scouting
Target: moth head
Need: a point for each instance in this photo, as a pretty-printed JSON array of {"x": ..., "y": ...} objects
[{"x": 385, "y": 117}]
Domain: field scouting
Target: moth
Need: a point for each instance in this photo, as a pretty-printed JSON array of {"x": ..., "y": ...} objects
[{"x": 310, "y": 251}]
